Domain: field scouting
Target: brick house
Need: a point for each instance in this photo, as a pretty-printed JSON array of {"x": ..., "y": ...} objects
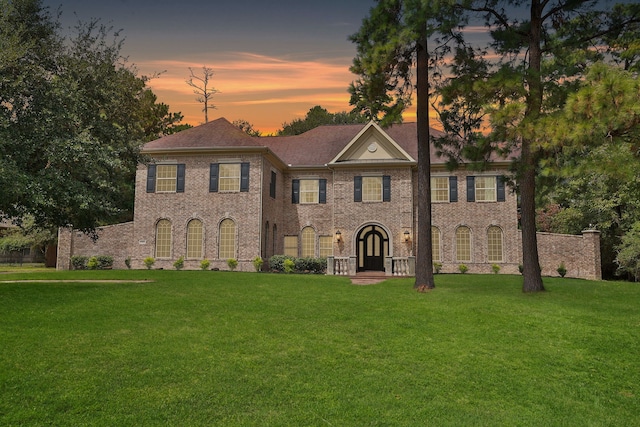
[{"x": 345, "y": 192}]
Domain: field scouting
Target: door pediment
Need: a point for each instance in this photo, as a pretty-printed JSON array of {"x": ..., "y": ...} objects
[{"x": 372, "y": 144}]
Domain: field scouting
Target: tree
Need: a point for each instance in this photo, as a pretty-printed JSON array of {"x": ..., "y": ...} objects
[
  {"x": 628, "y": 258},
  {"x": 390, "y": 43},
  {"x": 200, "y": 85},
  {"x": 72, "y": 119},
  {"x": 246, "y": 127},
  {"x": 596, "y": 165},
  {"x": 521, "y": 76},
  {"x": 318, "y": 116}
]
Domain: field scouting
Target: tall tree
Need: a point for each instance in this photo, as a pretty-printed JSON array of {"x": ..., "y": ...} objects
[
  {"x": 392, "y": 49},
  {"x": 246, "y": 127},
  {"x": 72, "y": 119},
  {"x": 202, "y": 87},
  {"x": 318, "y": 116},
  {"x": 536, "y": 55}
]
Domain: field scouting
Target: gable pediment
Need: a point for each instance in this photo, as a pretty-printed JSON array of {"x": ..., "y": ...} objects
[{"x": 372, "y": 144}]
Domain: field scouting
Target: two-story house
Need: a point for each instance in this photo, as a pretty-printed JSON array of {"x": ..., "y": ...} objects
[{"x": 345, "y": 192}]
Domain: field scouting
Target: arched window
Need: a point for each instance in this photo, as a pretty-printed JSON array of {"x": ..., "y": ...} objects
[
  {"x": 227, "y": 247},
  {"x": 265, "y": 253},
  {"x": 494, "y": 244},
  {"x": 274, "y": 239},
  {"x": 435, "y": 243},
  {"x": 463, "y": 244},
  {"x": 308, "y": 242},
  {"x": 163, "y": 239},
  {"x": 194, "y": 239}
]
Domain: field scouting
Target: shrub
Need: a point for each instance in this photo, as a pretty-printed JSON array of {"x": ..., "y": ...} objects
[
  {"x": 562, "y": 270},
  {"x": 127, "y": 262},
  {"x": 257, "y": 263},
  {"x": 495, "y": 268},
  {"x": 148, "y": 262},
  {"x": 289, "y": 265},
  {"x": 232, "y": 263},
  {"x": 204, "y": 264},
  {"x": 79, "y": 262},
  {"x": 463, "y": 268},
  {"x": 179, "y": 264},
  {"x": 92, "y": 264},
  {"x": 520, "y": 268},
  {"x": 437, "y": 266},
  {"x": 276, "y": 262},
  {"x": 105, "y": 262}
]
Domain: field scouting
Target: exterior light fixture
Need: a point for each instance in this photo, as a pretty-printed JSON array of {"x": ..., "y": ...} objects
[
  {"x": 338, "y": 236},
  {"x": 406, "y": 235}
]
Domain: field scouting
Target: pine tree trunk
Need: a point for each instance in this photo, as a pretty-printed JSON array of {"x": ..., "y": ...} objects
[{"x": 424, "y": 256}]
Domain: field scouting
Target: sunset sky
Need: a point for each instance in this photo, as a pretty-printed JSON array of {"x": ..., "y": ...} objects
[{"x": 273, "y": 60}]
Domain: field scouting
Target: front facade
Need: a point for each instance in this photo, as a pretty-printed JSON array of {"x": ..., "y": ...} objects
[{"x": 346, "y": 192}]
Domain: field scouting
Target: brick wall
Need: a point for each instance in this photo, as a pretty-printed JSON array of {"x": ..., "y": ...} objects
[
  {"x": 113, "y": 240},
  {"x": 579, "y": 254}
]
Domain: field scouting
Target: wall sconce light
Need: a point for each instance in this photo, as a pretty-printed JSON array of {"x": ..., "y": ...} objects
[
  {"x": 406, "y": 236},
  {"x": 338, "y": 236}
]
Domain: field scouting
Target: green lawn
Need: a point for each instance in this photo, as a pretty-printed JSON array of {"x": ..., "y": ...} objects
[{"x": 226, "y": 349}]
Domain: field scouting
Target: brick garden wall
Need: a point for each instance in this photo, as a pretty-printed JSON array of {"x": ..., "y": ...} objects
[{"x": 113, "y": 240}]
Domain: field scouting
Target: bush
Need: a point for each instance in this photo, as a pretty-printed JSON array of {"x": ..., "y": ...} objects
[
  {"x": 204, "y": 264},
  {"x": 79, "y": 262},
  {"x": 105, "y": 262},
  {"x": 127, "y": 262},
  {"x": 562, "y": 270},
  {"x": 257, "y": 263},
  {"x": 179, "y": 264},
  {"x": 521, "y": 268},
  {"x": 495, "y": 268},
  {"x": 232, "y": 263},
  {"x": 463, "y": 268},
  {"x": 148, "y": 262},
  {"x": 92, "y": 264},
  {"x": 437, "y": 266},
  {"x": 276, "y": 262},
  {"x": 289, "y": 265}
]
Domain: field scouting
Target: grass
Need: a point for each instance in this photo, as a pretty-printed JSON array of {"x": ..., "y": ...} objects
[{"x": 240, "y": 349}]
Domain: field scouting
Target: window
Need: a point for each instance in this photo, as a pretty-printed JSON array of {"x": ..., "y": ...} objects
[
  {"x": 228, "y": 177},
  {"x": 485, "y": 189},
  {"x": 444, "y": 189},
  {"x": 165, "y": 178},
  {"x": 439, "y": 189},
  {"x": 463, "y": 244},
  {"x": 291, "y": 245},
  {"x": 494, "y": 244},
  {"x": 372, "y": 188},
  {"x": 163, "y": 239},
  {"x": 435, "y": 244},
  {"x": 309, "y": 191},
  {"x": 227, "y": 243},
  {"x": 194, "y": 239},
  {"x": 308, "y": 243},
  {"x": 326, "y": 246},
  {"x": 272, "y": 185}
]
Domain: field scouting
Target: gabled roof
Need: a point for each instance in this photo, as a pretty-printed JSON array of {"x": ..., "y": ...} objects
[{"x": 324, "y": 145}]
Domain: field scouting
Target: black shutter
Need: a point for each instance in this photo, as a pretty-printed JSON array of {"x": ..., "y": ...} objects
[
  {"x": 295, "y": 191},
  {"x": 453, "y": 188},
  {"x": 386, "y": 188},
  {"x": 471, "y": 189},
  {"x": 213, "y": 177},
  {"x": 500, "y": 194},
  {"x": 357, "y": 188},
  {"x": 180, "y": 178},
  {"x": 151, "y": 179},
  {"x": 322, "y": 191},
  {"x": 272, "y": 186},
  {"x": 244, "y": 177}
]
